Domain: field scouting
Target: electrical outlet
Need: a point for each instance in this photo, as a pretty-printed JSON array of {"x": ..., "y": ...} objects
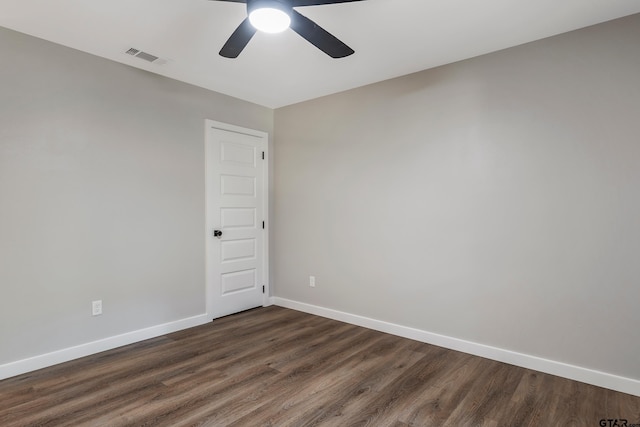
[
  {"x": 96, "y": 308},
  {"x": 312, "y": 281}
]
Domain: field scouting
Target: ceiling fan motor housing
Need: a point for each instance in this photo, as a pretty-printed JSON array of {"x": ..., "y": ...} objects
[
  {"x": 274, "y": 16},
  {"x": 284, "y": 5}
]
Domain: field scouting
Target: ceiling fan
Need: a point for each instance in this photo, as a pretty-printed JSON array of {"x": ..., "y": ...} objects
[{"x": 274, "y": 16}]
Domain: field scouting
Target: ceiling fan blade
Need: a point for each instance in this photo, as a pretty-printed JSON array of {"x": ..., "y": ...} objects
[
  {"x": 297, "y": 3},
  {"x": 238, "y": 40},
  {"x": 318, "y": 36},
  {"x": 238, "y": 1}
]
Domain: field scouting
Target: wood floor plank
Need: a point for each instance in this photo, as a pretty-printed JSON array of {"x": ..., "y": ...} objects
[
  {"x": 528, "y": 401},
  {"x": 386, "y": 407},
  {"x": 303, "y": 389},
  {"x": 354, "y": 394},
  {"x": 436, "y": 402},
  {"x": 296, "y": 382},
  {"x": 278, "y": 367}
]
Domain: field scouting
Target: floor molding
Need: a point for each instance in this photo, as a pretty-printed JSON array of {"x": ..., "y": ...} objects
[
  {"x": 49, "y": 359},
  {"x": 577, "y": 373}
]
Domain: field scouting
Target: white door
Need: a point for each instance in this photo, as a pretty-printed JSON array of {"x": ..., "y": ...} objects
[{"x": 236, "y": 206}]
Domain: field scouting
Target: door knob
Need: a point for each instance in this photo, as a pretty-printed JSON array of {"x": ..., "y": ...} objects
[{"x": 217, "y": 233}]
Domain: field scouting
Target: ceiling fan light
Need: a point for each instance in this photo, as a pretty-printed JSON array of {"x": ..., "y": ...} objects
[{"x": 270, "y": 20}]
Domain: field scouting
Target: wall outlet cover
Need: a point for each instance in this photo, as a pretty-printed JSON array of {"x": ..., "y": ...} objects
[{"x": 96, "y": 308}]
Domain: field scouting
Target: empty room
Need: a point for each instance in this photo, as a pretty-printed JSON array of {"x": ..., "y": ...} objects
[{"x": 319, "y": 212}]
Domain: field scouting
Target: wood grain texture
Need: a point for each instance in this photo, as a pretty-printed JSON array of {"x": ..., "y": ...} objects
[{"x": 278, "y": 367}]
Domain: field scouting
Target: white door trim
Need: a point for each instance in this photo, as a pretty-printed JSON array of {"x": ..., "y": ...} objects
[{"x": 209, "y": 292}]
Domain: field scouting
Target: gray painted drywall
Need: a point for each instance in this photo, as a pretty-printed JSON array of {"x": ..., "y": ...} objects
[
  {"x": 494, "y": 200},
  {"x": 101, "y": 195}
]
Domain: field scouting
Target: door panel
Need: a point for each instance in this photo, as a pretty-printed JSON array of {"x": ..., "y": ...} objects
[
  {"x": 238, "y": 250},
  {"x": 238, "y": 186},
  {"x": 238, "y": 281},
  {"x": 235, "y": 205},
  {"x": 238, "y": 218}
]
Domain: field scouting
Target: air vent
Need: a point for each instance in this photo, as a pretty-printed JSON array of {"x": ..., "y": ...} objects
[{"x": 145, "y": 56}]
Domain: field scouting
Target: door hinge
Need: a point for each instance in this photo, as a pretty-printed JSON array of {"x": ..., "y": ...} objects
[
  {"x": 263, "y": 289},
  {"x": 263, "y": 225},
  {"x": 263, "y": 155}
]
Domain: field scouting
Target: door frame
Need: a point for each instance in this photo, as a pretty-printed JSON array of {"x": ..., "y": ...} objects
[{"x": 209, "y": 241}]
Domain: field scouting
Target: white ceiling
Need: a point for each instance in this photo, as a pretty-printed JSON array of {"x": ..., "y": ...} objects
[{"x": 391, "y": 38}]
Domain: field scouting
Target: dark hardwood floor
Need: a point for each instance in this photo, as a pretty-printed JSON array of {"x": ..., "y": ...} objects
[{"x": 278, "y": 367}]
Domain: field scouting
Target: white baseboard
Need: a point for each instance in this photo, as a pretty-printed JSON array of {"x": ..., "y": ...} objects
[
  {"x": 577, "y": 373},
  {"x": 49, "y": 359}
]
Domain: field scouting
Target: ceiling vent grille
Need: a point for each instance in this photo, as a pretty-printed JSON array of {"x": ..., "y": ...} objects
[{"x": 145, "y": 56}]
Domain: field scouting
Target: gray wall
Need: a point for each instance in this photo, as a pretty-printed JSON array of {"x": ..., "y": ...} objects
[
  {"x": 495, "y": 200},
  {"x": 101, "y": 195}
]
